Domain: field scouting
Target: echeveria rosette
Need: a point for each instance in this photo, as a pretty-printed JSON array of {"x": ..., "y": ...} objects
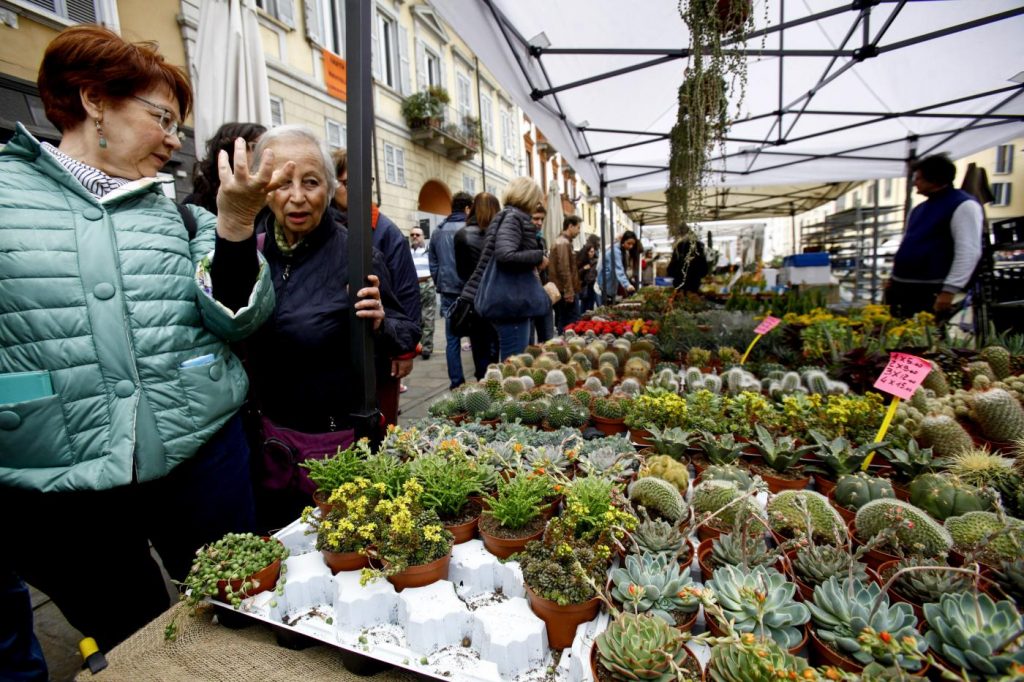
[
  {"x": 640, "y": 647},
  {"x": 968, "y": 633},
  {"x": 760, "y": 597},
  {"x": 654, "y": 583}
]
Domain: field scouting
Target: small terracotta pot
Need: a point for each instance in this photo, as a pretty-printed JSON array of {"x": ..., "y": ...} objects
[
  {"x": 689, "y": 654},
  {"x": 561, "y": 621},
  {"x": 777, "y": 484},
  {"x": 503, "y": 548},
  {"x": 490, "y": 422},
  {"x": 874, "y": 558},
  {"x": 823, "y": 484},
  {"x": 848, "y": 516},
  {"x": 464, "y": 532},
  {"x": 641, "y": 437},
  {"x": 457, "y": 418},
  {"x": 708, "y": 532},
  {"x": 424, "y": 574},
  {"x": 345, "y": 561},
  {"x": 320, "y": 500},
  {"x": 704, "y": 558},
  {"x": 821, "y": 654},
  {"x": 266, "y": 577},
  {"x": 609, "y": 427}
]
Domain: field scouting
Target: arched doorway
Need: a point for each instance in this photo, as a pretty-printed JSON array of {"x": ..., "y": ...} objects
[{"x": 435, "y": 203}]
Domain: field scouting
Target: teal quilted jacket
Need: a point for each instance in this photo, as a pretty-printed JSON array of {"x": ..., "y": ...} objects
[{"x": 103, "y": 295}]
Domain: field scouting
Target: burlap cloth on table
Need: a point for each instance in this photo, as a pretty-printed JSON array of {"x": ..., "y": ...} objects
[{"x": 207, "y": 651}]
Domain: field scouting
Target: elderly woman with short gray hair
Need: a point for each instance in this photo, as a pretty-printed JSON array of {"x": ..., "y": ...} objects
[{"x": 299, "y": 361}]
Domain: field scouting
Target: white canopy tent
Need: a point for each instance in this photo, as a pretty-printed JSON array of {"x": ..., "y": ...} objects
[{"x": 837, "y": 91}]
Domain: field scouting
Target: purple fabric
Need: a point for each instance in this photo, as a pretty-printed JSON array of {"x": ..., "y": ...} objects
[{"x": 284, "y": 449}]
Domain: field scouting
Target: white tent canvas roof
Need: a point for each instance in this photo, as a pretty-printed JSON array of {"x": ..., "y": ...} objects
[{"x": 946, "y": 72}]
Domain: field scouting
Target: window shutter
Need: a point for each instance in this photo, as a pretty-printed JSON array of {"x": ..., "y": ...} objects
[
  {"x": 444, "y": 71},
  {"x": 375, "y": 57},
  {"x": 286, "y": 12},
  {"x": 82, "y": 11},
  {"x": 421, "y": 65},
  {"x": 48, "y": 5},
  {"x": 314, "y": 17},
  {"x": 400, "y": 166},
  {"x": 403, "y": 61}
]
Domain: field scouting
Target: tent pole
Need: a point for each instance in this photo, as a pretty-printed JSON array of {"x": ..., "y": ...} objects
[
  {"x": 365, "y": 416},
  {"x": 792, "y": 228},
  {"x": 480, "y": 126},
  {"x": 911, "y": 158},
  {"x": 604, "y": 241},
  {"x": 874, "y": 250}
]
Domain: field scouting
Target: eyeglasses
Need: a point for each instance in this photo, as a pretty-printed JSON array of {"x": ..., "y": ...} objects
[{"x": 168, "y": 121}]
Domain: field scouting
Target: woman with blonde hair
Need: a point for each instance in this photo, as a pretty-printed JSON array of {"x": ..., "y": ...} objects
[{"x": 505, "y": 287}]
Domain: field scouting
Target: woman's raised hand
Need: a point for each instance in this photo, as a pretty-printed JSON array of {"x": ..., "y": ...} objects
[{"x": 242, "y": 194}]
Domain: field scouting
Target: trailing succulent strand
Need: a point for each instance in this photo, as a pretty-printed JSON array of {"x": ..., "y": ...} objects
[
  {"x": 975, "y": 633},
  {"x": 640, "y": 647},
  {"x": 843, "y": 609}
]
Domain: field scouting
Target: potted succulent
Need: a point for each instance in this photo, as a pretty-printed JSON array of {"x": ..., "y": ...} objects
[
  {"x": 752, "y": 659},
  {"x": 908, "y": 462},
  {"x": 641, "y": 646},
  {"x": 842, "y": 609},
  {"x": 609, "y": 415},
  {"x": 656, "y": 584},
  {"x": 450, "y": 481},
  {"x": 853, "y": 491},
  {"x": 780, "y": 457},
  {"x": 839, "y": 458},
  {"x": 973, "y": 633},
  {"x": 811, "y": 564},
  {"x": 561, "y": 573},
  {"x": 344, "y": 533},
  {"x": 904, "y": 529},
  {"x": 804, "y": 513},
  {"x": 672, "y": 441},
  {"x": 514, "y": 515},
  {"x": 739, "y": 548},
  {"x": 594, "y": 510},
  {"x": 610, "y": 462},
  {"x": 654, "y": 536},
  {"x": 717, "y": 505},
  {"x": 718, "y": 449},
  {"x": 659, "y": 499},
  {"x": 917, "y": 581},
  {"x": 410, "y": 541},
  {"x": 329, "y": 473},
  {"x": 988, "y": 537},
  {"x": 759, "y": 600}
]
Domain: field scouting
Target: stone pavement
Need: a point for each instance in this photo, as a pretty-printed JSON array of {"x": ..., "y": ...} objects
[{"x": 59, "y": 640}]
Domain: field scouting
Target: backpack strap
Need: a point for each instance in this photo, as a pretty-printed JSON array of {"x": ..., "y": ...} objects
[
  {"x": 189, "y": 218},
  {"x": 261, "y": 239}
]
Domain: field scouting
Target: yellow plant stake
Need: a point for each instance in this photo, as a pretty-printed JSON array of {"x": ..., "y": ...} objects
[
  {"x": 900, "y": 378},
  {"x": 767, "y": 324},
  {"x": 889, "y": 414}
]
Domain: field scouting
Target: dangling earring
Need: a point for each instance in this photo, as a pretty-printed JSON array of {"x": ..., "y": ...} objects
[{"x": 99, "y": 131}]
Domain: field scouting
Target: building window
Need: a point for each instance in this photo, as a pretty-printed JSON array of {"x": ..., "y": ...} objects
[
  {"x": 387, "y": 52},
  {"x": 332, "y": 17},
  {"x": 276, "y": 111},
  {"x": 282, "y": 10},
  {"x": 1004, "y": 159},
  {"x": 468, "y": 184},
  {"x": 78, "y": 11},
  {"x": 394, "y": 165},
  {"x": 487, "y": 120},
  {"x": 841, "y": 203},
  {"x": 888, "y": 188},
  {"x": 508, "y": 136},
  {"x": 433, "y": 64},
  {"x": 463, "y": 94},
  {"x": 1001, "y": 192},
  {"x": 336, "y": 134}
]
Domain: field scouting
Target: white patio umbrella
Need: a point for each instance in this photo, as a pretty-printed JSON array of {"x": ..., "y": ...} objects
[
  {"x": 555, "y": 215},
  {"x": 229, "y": 71}
]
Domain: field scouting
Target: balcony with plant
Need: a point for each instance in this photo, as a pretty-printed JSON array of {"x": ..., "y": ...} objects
[{"x": 439, "y": 127}]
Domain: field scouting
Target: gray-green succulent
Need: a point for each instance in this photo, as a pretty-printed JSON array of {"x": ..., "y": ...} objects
[{"x": 654, "y": 583}]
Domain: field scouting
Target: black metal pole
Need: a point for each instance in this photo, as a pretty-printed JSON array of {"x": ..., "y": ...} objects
[
  {"x": 911, "y": 158},
  {"x": 604, "y": 243},
  {"x": 365, "y": 415}
]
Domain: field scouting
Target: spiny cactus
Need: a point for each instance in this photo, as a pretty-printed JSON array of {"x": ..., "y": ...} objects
[
  {"x": 493, "y": 374},
  {"x": 538, "y": 375},
  {"x": 943, "y": 496},
  {"x": 513, "y": 386},
  {"x": 658, "y": 497},
  {"x": 637, "y": 368},
  {"x": 817, "y": 382},
  {"x": 980, "y": 368},
  {"x": 914, "y": 531},
  {"x": 667, "y": 469},
  {"x": 609, "y": 358},
  {"x": 476, "y": 401},
  {"x": 525, "y": 359},
  {"x": 564, "y": 411},
  {"x": 555, "y": 377},
  {"x": 534, "y": 350},
  {"x": 445, "y": 407},
  {"x": 711, "y": 497},
  {"x": 532, "y": 412},
  {"x": 983, "y": 533},
  {"x": 944, "y": 435},
  {"x": 971, "y": 632},
  {"x": 609, "y": 408},
  {"x": 713, "y": 383},
  {"x": 998, "y": 414},
  {"x": 786, "y": 515},
  {"x": 998, "y": 358},
  {"x": 936, "y": 381},
  {"x": 640, "y": 647},
  {"x": 693, "y": 379},
  {"x": 853, "y": 491},
  {"x": 607, "y": 375},
  {"x": 510, "y": 411},
  {"x": 728, "y": 472}
]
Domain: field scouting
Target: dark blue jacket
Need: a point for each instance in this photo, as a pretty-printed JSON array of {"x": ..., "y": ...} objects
[
  {"x": 442, "y": 255},
  {"x": 927, "y": 250},
  {"x": 299, "y": 361}
]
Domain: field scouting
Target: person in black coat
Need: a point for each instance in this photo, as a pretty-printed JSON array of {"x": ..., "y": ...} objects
[
  {"x": 689, "y": 264},
  {"x": 469, "y": 244}
]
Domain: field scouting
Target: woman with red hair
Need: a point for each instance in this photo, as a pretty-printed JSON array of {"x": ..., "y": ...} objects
[{"x": 118, "y": 392}]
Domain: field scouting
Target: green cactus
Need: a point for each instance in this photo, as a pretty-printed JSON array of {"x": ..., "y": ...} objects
[
  {"x": 609, "y": 408},
  {"x": 667, "y": 469},
  {"x": 814, "y": 564},
  {"x": 538, "y": 375},
  {"x": 637, "y": 368},
  {"x": 944, "y": 496},
  {"x": 817, "y": 382},
  {"x": 760, "y": 600},
  {"x": 564, "y": 411},
  {"x": 510, "y": 411},
  {"x": 710, "y": 496},
  {"x": 534, "y": 350},
  {"x": 922, "y": 587},
  {"x": 583, "y": 397},
  {"x": 443, "y": 408},
  {"x": 758, "y": 661},
  {"x": 640, "y": 647},
  {"x": 509, "y": 370},
  {"x": 532, "y": 412},
  {"x": 979, "y": 368},
  {"x": 936, "y": 381},
  {"x": 973, "y": 632},
  {"x": 713, "y": 383},
  {"x": 525, "y": 359},
  {"x": 984, "y": 534},
  {"x": 693, "y": 379},
  {"x": 728, "y": 472},
  {"x": 944, "y": 435},
  {"x": 999, "y": 415},
  {"x": 609, "y": 358},
  {"x": 786, "y": 515},
  {"x": 853, "y": 491},
  {"x": 914, "y": 531},
  {"x": 980, "y": 467},
  {"x": 608, "y": 375},
  {"x": 476, "y": 401},
  {"x": 654, "y": 583},
  {"x": 654, "y": 536},
  {"x": 659, "y": 497},
  {"x": 998, "y": 358},
  {"x": 494, "y": 390},
  {"x": 842, "y": 609},
  {"x": 513, "y": 386}
]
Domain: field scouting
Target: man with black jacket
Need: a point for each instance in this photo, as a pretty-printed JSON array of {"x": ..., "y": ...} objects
[{"x": 447, "y": 280}]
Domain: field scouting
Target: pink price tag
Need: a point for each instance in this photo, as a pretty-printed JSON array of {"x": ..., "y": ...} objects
[
  {"x": 903, "y": 375},
  {"x": 767, "y": 324}
]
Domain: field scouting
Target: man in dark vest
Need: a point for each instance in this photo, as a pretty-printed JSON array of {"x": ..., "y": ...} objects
[{"x": 941, "y": 246}]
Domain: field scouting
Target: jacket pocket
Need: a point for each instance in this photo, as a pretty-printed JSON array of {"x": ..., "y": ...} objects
[
  {"x": 34, "y": 434},
  {"x": 210, "y": 391}
]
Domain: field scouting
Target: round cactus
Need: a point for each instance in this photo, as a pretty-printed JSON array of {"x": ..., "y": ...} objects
[
  {"x": 983, "y": 533},
  {"x": 944, "y": 435},
  {"x": 853, "y": 491},
  {"x": 659, "y": 497},
  {"x": 728, "y": 472},
  {"x": 609, "y": 358},
  {"x": 936, "y": 380},
  {"x": 607, "y": 375},
  {"x": 476, "y": 402},
  {"x": 582, "y": 359},
  {"x": 513, "y": 386},
  {"x": 944, "y": 496},
  {"x": 785, "y": 514},
  {"x": 998, "y": 414},
  {"x": 609, "y": 408},
  {"x": 667, "y": 469},
  {"x": 998, "y": 358},
  {"x": 915, "y": 531}
]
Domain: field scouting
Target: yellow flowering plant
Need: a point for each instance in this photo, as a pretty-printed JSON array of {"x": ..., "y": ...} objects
[
  {"x": 405, "y": 533},
  {"x": 349, "y": 526}
]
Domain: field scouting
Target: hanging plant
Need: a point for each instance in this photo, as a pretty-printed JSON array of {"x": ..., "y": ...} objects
[{"x": 703, "y": 118}]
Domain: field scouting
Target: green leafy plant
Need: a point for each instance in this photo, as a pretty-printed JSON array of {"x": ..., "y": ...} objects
[
  {"x": 420, "y": 108},
  {"x": 654, "y": 583},
  {"x": 654, "y": 536},
  {"x": 406, "y": 533},
  {"x": 780, "y": 453},
  {"x": 519, "y": 500},
  {"x": 720, "y": 449},
  {"x": 349, "y": 526},
  {"x": 594, "y": 511},
  {"x": 344, "y": 466},
  {"x": 448, "y": 482},
  {"x": 909, "y": 461},
  {"x": 839, "y": 455}
]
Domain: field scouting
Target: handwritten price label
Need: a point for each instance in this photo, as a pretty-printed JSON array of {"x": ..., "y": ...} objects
[
  {"x": 903, "y": 375},
  {"x": 767, "y": 324}
]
